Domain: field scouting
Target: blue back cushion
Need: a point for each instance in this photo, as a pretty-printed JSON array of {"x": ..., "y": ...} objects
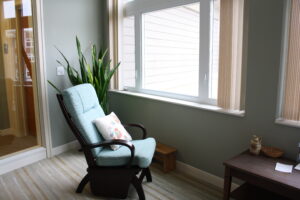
[{"x": 83, "y": 105}]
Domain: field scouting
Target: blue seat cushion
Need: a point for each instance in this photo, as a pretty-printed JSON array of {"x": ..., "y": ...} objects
[
  {"x": 144, "y": 150},
  {"x": 82, "y": 103}
]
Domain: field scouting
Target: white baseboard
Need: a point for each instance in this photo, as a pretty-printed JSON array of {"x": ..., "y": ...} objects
[
  {"x": 202, "y": 176},
  {"x": 66, "y": 147},
  {"x": 31, "y": 156},
  {"x": 22, "y": 159}
]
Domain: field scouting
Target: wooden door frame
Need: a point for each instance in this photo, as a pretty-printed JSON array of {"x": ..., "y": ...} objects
[
  {"x": 42, "y": 89},
  {"x": 41, "y": 78},
  {"x": 2, "y": 62},
  {"x": 28, "y": 156},
  {"x": 34, "y": 154}
]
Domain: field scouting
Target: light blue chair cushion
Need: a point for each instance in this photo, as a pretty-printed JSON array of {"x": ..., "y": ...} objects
[
  {"x": 144, "y": 150},
  {"x": 82, "y": 103}
]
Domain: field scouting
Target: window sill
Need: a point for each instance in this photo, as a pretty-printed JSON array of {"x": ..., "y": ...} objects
[
  {"x": 286, "y": 122},
  {"x": 183, "y": 103}
]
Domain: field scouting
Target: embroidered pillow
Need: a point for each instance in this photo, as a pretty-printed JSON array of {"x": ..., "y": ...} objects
[{"x": 111, "y": 128}]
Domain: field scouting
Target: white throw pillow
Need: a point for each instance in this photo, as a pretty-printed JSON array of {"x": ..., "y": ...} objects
[{"x": 111, "y": 128}]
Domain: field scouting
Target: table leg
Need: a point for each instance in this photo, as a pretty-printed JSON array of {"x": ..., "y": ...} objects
[{"x": 227, "y": 184}]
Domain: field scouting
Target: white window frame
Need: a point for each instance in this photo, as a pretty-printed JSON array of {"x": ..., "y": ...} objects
[
  {"x": 139, "y": 7},
  {"x": 283, "y": 65},
  {"x": 283, "y": 60}
]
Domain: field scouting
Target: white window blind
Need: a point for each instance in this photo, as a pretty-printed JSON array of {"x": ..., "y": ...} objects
[
  {"x": 128, "y": 52},
  {"x": 171, "y": 50},
  {"x": 291, "y": 98},
  {"x": 231, "y": 54}
]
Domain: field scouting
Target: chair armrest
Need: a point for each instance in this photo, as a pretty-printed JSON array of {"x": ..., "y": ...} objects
[
  {"x": 107, "y": 143},
  {"x": 138, "y": 126}
]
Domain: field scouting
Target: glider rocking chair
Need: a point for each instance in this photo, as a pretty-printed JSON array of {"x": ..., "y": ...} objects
[{"x": 109, "y": 172}]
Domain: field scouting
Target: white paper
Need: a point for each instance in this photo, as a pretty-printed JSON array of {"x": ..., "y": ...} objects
[
  {"x": 284, "y": 168},
  {"x": 297, "y": 167}
]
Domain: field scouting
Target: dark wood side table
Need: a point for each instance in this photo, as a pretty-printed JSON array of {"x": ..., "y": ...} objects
[{"x": 259, "y": 172}]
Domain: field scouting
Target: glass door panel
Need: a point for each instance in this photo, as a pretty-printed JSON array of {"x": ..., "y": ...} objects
[{"x": 19, "y": 128}]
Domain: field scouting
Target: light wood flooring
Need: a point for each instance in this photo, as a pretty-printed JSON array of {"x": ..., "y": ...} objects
[{"x": 58, "y": 177}]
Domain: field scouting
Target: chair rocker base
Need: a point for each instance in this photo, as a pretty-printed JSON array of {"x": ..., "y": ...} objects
[
  {"x": 83, "y": 182},
  {"x": 115, "y": 182},
  {"x": 145, "y": 172}
]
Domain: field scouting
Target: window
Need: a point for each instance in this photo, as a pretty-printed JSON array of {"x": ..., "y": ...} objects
[
  {"x": 26, "y": 11},
  {"x": 173, "y": 49},
  {"x": 214, "y": 58},
  {"x": 290, "y": 88},
  {"x": 128, "y": 52},
  {"x": 9, "y": 9}
]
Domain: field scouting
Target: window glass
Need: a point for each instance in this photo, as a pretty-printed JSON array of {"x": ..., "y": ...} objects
[
  {"x": 9, "y": 9},
  {"x": 215, "y": 41},
  {"x": 128, "y": 53},
  {"x": 171, "y": 50}
]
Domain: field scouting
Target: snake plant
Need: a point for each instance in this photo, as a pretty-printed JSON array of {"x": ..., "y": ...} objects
[{"x": 99, "y": 74}]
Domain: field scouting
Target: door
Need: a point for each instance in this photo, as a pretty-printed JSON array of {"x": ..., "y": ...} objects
[{"x": 19, "y": 125}]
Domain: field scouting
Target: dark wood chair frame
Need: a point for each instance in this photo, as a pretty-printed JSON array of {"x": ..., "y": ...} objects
[{"x": 109, "y": 181}]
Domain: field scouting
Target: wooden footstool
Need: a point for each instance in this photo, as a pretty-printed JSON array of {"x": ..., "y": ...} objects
[{"x": 166, "y": 155}]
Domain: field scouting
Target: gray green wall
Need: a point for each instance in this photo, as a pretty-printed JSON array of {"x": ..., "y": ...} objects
[
  {"x": 63, "y": 20},
  {"x": 205, "y": 139}
]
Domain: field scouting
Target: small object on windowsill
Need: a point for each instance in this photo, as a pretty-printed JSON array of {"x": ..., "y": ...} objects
[
  {"x": 255, "y": 145},
  {"x": 272, "y": 152},
  {"x": 284, "y": 168}
]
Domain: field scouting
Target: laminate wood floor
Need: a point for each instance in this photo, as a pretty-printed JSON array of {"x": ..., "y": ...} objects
[{"x": 58, "y": 177}]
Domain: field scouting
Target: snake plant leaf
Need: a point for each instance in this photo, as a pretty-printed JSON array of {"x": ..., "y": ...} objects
[
  {"x": 90, "y": 78},
  {"x": 103, "y": 54},
  {"x": 107, "y": 67},
  {"x": 96, "y": 84},
  {"x": 100, "y": 54},
  {"x": 82, "y": 62},
  {"x": 94, "y": 59},
  {"x": 59, "y": 62},
  {"x": 94, "y": 51},
  {"x": 98, "y": 89},
  {"x": 64, "y": 57},
  {"x": 72, "y": 76},
  {"x": 58, "y": 90},
  {"x": 106, "y": 84},
  {"x": 104, "y": 103},
  {"x": 78, "y": 45},
  {"x": 66, "y": 67},
  {"x": 102, "y": 66},
  {"x": 98, "y": 73}
]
